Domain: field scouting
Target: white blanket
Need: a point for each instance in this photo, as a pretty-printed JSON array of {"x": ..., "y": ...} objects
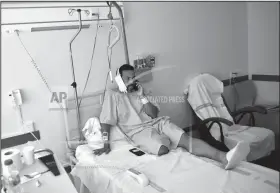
[{"x": 176, "y": 172}]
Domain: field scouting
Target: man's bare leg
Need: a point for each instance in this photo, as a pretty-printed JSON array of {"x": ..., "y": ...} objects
[
  {"x": 230, "y": 159},
  {"x": 200, "y": 148}
]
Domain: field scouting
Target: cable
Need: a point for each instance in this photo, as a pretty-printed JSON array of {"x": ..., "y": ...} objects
[
  {"x": 105, "y": 87},
  {"x": 109, "y": 56},
  {"x": 20, "y": 115},
  {"x": 22, "y": 122},
  {"x": 36, "y": 67},
  {"x": 93, "y": 50},
  {"x": 109, "y": 63},
  {"x": 42, "y": 146},
  {"x": 44, "y": 81},
  {"x": 34, "y": 63}
]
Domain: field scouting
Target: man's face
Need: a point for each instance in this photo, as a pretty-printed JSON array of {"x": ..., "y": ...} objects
[{"x": 128, "y": 79}]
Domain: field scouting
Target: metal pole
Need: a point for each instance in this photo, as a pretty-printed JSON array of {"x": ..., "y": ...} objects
[
  {"x": 74, "y": 84},
  {"x": 123, "y": 31}
]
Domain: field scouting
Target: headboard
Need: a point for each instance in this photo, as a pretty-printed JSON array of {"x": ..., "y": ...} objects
[{"x": 90, "y": 107}]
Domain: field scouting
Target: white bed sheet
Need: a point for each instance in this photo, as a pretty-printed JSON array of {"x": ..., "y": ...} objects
[{"x": 176, "y": 172}]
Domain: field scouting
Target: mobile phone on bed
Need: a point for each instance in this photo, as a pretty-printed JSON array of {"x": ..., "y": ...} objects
[{"x": 136, "y": 151}]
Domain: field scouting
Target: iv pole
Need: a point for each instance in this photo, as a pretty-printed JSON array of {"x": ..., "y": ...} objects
[{"x": 74, "y": 84}]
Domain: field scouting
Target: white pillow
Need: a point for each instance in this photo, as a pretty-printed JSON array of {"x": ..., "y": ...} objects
[{"x": 92, "y": 133}]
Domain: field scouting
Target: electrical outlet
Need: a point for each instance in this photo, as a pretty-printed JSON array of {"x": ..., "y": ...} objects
[
  {"x": 28, "y": 126},
  {"x": 15, "y": 97}
]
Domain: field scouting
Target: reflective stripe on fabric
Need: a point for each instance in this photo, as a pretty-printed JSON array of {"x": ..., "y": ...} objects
[
  {"x": 208, "y": 105},
  {"x": 203, "y": 106}
]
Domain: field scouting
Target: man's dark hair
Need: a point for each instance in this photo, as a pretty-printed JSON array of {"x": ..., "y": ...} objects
[{"x": 125, "y": 67}]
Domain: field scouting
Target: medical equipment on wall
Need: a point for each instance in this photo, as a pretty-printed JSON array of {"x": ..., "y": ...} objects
[
  {"x": 15, "y": 97},
  {"x": 25, "y": 126},
  {"x": 16, "y": 102}
]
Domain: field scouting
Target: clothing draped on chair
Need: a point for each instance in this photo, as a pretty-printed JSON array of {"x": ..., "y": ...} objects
[{"x": 204, "y": 93}]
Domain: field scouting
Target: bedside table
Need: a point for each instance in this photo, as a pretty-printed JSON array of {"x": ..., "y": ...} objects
[{"x": 48, "y": 182}]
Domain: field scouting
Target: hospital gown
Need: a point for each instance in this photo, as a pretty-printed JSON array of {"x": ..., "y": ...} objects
[{"x": 127, "y": 112}]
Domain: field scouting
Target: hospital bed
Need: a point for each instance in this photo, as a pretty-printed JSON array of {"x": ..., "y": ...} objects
[{"x": 178, "y": 171}]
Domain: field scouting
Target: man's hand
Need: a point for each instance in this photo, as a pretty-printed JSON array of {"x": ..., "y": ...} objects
[
  {"x": 106, "y": 149},
  {"x": 140, "y": 91},
  {"x": 149, "y": 108}
]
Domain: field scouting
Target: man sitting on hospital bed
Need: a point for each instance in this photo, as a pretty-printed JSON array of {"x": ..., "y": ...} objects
[{"x": 138, "y": 119}]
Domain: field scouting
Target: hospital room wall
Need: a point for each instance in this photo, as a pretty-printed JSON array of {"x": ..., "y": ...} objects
[
  {"x": 50, "y": 50},
  {"x": 263, "y": 58},
  {"x": 192, "y": 37},
  {"x": 263, "y": 48}
]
